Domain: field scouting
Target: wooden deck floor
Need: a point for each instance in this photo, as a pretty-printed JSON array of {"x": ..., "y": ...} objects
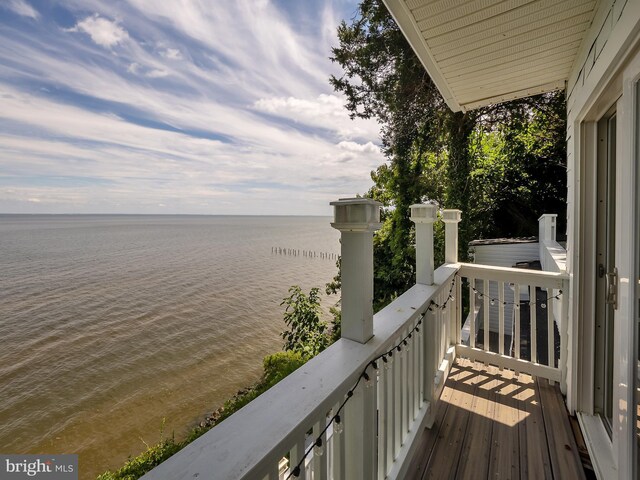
[{"x": 490, "y": 424}]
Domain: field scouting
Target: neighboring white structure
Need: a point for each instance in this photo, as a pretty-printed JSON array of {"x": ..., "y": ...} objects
[
  {"x": 505, "y": 252},
  {"x": 483, "y": 52}
]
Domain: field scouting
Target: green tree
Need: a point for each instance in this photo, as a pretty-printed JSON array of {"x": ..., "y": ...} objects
[
  {"x": 492, "y": 163},
  {"x": 307, "y": 333},
  {"x": 384, "y": 79}
]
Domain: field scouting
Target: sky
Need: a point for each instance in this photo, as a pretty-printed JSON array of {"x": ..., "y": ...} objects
[{"x": 176, "y": 107}]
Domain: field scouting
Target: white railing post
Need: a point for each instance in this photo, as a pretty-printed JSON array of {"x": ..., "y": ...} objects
[
  {"x": 423, "y": 215},
  {"x": 357, "y": 219},
  {"x": 546, "y": 233},
  {"x": 547, "y": 227},
  {"x": 451, "y": 218}
]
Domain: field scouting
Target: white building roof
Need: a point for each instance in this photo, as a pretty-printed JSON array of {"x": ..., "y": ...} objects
[{"x": 480, "y": 52}]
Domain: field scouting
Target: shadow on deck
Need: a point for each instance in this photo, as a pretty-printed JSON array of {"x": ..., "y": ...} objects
[{"x": 492, "y": 424}]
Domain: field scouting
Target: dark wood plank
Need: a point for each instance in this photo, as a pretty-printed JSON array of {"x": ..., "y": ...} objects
[
  {"x": 476, "y": 447},
  {"x": 446, "y": 452},
  {"x": 534, "y": 453},
  {"x": 583, "y": 451},
  {"x": 505, "y": 444},
  {"x": 563, "y": 451}
]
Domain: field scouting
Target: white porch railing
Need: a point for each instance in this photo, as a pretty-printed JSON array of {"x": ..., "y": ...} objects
[
  {"x": 251, "y": 443},
  {"x": 354, "y": 411},
  {"x": 519, "y": 294}
]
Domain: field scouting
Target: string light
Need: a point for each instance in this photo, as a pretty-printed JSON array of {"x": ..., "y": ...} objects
[
  {"x": 387, "y": 359},
  {"x": 493, "y": 301}
]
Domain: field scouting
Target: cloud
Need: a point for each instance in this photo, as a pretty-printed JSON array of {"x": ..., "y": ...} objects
[
  {"x": 172, "y": 54},
  {"x": 358, "y": 147},
  {"x": 103, "y": 32},
  {"x": 244, "y": 115},
  {"x": 326, "y": 111},
  {"x": 137, "y": 69},
  {"x": 156, "y": 73},
  {"x": 21, "y": 7}
]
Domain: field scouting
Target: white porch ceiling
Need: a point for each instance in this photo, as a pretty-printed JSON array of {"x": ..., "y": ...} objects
[{"x": 480, "y": 52}]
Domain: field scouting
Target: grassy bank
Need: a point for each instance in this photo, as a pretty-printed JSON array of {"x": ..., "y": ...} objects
[{"x": 276, "y": 367}]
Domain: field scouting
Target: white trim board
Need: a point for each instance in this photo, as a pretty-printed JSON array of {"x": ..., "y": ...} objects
[{"x": 599, "y": 446}]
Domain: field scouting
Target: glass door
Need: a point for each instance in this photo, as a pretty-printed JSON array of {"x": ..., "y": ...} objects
[{"x": 606, "y": 275}]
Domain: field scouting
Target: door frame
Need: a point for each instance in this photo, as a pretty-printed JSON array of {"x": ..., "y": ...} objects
[
  {"x": 613, "y": 457},
  {"x": 605, "y": 249}
]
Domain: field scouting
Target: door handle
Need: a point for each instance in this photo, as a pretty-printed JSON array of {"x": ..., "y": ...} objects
[{"x": 612, "y": 288}]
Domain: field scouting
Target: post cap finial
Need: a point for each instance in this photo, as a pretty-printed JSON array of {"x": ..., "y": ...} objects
[
  {"x": 451, "y": 215},
  {"x": 356, "y": 214},
  {"x": 423, "y": 213}
]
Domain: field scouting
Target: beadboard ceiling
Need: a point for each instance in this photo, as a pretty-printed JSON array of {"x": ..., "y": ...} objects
[{"x": 480, "y": 52}]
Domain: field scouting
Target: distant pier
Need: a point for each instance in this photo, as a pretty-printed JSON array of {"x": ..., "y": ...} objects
[{"x": 296, "y": 252}]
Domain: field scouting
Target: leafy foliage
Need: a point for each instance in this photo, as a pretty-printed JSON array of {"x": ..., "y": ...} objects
[
  {"x": 307, "y": 333},
  {"x": 502, "y": 165},
  {"x": 279, "y": 365}
]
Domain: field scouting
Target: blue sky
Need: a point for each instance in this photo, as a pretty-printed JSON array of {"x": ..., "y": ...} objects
[{"x": 181, "y": 106}]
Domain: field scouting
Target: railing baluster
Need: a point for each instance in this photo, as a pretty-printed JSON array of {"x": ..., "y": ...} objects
[
  {"x": 391, "y": 423},
  {"x": 397, "y": 403},
  {"x": 404, "y": 358},
  {"x": 383, "y": 426},
  {"x": 295, "y": 455},
  {"x": 415, "y": 381},
  {"x": 485, "y": 293},
  {"x": 429, "y": 366},
  {"x": 437, "y": 339},
  {"x": 410, "y": 385},
  {"x": 472, "y": 313},
  {"x": 457, "y": 324},
  {"x": 360, "y": 432},
  {"x": 516, "y": 334},
  {"x": 550, "y": 330},
  {"x": 533, "y": 330},
  {"x": 421, "y": 353},
  {"x": 446, "y": 321},
  {"x": 501, "y": 317},
  {"x": 320, "y": 461},
  {"x": 337, "y": 449}
]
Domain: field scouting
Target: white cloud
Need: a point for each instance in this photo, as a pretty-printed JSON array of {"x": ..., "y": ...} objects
[
  {"x": 249, "y": 61},
  {"x": 172, "y": 54},
  {"x": 325, "y": 111},
  {"x": 102, "y": 31},
  {"x": 21, "y": 7},
  {"x": 359, "y": 147},
  {"x": 156, "y": 73}
]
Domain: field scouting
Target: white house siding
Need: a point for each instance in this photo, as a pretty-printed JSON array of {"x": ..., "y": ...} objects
[{"x": 505, "y": 254}]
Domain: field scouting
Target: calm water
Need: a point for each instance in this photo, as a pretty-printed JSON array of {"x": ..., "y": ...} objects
[{"x": 108, "y": 324}]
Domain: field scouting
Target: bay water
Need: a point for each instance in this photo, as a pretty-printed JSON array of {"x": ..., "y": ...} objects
[{"x": 117, "y": 329}]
